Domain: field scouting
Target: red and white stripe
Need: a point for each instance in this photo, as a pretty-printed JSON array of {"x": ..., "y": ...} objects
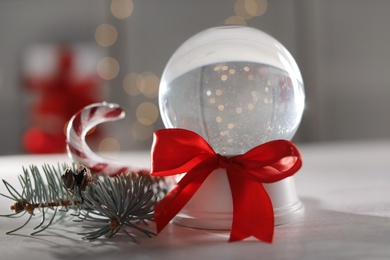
[{"x": 78, "y": 149}]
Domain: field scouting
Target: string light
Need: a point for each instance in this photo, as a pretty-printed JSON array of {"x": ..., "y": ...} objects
[
  {"x": 245, "y": 10},
  {"x": 236, "y": 20},
  {"x": 240, "y": 9},
  {"x": 147, "y": 113},
  {"x": 106, "y": 35},
  {"x": 131, "y": 84},
  {"x": 108, "y": 68},
  {"x": 109, "y": 145},
  {"x": 122, "y": 9},
  {"x": 248, "y": 9},
  {"x": 151, "y": 83},
  {"x": 261, "y": 7},
  {"x": 146, "y": 83}
]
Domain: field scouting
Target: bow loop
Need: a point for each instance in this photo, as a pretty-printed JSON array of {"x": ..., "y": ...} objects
[
  {"x": 271, "y": 161},
  {"x": 176, "y": 151}
]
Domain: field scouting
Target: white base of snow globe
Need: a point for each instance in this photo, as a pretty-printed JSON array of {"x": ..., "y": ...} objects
[{"x": 211, "y": 207}]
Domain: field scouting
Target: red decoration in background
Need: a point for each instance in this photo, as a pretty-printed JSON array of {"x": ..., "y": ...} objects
[
  {"x": 177, "y": 151},
  {"x": 59, "y": 96}
]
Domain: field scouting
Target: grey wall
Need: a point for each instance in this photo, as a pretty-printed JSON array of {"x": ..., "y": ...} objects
[
  {"x": 341, "y": 47},
  {"x": 343, "y": 51}
]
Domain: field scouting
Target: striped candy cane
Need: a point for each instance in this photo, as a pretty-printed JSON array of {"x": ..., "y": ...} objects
[{"x": 78, "y": 149}]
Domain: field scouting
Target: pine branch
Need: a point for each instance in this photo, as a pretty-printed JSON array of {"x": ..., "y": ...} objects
[
  {"x": 116, "y": 203},
  {"x": 108, "y": 204},
  {"x": 39, "y": 195}
]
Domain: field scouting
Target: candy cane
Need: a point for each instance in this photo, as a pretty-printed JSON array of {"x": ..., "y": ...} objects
[{"x": 77, "y": 148}]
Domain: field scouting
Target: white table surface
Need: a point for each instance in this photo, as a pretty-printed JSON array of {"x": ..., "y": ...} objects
[{"x": 345, "y": 188}]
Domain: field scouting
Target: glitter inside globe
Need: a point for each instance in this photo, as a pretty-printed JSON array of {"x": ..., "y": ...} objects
[{"x": 235, "y": 86}]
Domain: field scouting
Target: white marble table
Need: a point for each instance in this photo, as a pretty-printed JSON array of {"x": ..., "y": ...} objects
[{"x": 345, "y": 188}]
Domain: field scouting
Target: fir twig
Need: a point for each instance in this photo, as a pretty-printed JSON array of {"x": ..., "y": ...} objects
[
  {"x": 108, "y": 204},
  {"x": 116, "y": 203},
  {"x": 37, "y": 195}
]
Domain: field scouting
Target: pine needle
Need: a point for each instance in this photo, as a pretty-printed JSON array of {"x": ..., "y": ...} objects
[{"x": 108, "y": 204}]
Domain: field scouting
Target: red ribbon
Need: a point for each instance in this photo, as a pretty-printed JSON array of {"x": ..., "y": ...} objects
[{"x": 176, "y": 151}]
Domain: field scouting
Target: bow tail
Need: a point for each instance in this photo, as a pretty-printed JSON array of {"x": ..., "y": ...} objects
[
  {"x": 178, "y": 197},
  {"x": 252, "y": 210}
]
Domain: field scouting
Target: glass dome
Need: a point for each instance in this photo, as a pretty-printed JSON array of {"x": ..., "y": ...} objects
[{"x": 236, "y": 86}]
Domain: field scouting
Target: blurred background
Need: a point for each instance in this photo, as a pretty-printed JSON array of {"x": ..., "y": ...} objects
[{"x": 58, "y": 56}]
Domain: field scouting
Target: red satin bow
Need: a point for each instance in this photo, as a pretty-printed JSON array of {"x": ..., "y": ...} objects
[{"x": 176, "y": 151}]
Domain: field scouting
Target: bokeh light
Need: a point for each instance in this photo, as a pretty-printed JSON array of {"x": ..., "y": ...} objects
[
  {"x": 250, "y": 8},
  {"x": 122, "y": 9},
  {"x": 106, "y": 35},
  {"x": 150, "y": 85},
  {"x": 147, "y": 113},
  {"x": 235, "y": 20},
  {"x": 108, "y": 68},
  {"x": 146, "y": 83},
  {"x": 131, "y": 83},
  {"x": 110, "y": 145}
]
